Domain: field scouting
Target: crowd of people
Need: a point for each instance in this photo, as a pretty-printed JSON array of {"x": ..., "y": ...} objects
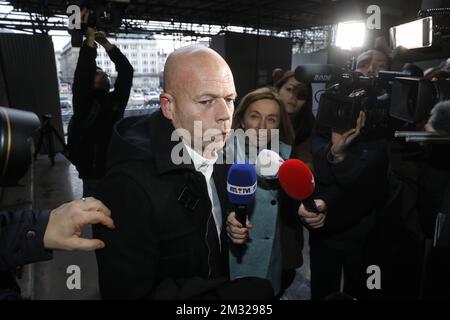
[{"x": 174, "y": 235}]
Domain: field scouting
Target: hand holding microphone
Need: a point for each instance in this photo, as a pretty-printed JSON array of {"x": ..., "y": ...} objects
[
  {"x": 313, "y": 220},
  {"x": 236, "y": 231},
  {"x": 297, "y": 181}
]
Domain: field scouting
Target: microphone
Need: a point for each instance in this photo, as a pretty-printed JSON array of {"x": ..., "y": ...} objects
[
  {"x": 267, "y": 164},
  {"x": 314, "y": 73},
  {"x": 431, "y": 139},
  {"x": 241, "y": 188},
  {"x": 406, "y": 134},
  {"x": 297, "y": 181}
]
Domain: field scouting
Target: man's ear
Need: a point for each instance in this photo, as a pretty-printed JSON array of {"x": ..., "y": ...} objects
[{"x": 166, "y": 102}]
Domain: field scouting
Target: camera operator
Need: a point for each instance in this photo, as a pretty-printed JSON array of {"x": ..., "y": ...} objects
[
  {"x": 370, "y": 62},
  {"x": 96, "y": 109},
  {"x": 30, "y": 236},
  {"x": 351, "y": 179}
]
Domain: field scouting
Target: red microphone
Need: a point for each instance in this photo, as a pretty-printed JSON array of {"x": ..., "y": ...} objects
[{"x": 298, "y": 181}]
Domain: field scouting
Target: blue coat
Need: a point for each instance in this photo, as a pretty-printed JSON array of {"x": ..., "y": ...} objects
[
  {"x": 21, "y": 242},
  {"x": 262, "y": 254}
]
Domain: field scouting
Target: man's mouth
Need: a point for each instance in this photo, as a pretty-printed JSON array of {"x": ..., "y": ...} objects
[{"x": 220, "y": 137}]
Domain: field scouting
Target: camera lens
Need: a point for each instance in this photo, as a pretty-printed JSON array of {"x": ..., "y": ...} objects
[{"x": 16, "y": 127}]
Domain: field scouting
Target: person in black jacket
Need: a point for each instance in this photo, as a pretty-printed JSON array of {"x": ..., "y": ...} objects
[
  {"x": 351, "y": 181},
  {"x": 351, "y": 174},
  {"x": 169, "y": 196},
  {"x": 96, "y": 109},
  {"x": 30, "y": 236}
]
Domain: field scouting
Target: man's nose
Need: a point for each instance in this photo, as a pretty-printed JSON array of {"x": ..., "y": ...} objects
[
  {"x": 223, "y": 110},
  {"x": 371, "y": 70}
]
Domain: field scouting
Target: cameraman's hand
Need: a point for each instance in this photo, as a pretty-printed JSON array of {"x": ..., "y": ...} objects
[
  {"x": 65, "y": 223},
  {"x": 236, "y": 231},
  {"x": 100, "y": 37},
  {"x": 90, "y": 32},
  {"x": 341, "y": 141},
  {"x": 313, "y": 220}
]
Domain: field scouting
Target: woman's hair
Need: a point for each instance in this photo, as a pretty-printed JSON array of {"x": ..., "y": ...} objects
[
  {"x": 303, "y": 120},
  {"x": 285, "y": 127}
]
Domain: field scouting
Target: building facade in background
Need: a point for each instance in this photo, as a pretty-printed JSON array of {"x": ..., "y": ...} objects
[{"x": 143, "y": 54}]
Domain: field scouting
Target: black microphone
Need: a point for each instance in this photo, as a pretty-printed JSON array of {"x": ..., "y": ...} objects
[{"x": 318, "y": 73}]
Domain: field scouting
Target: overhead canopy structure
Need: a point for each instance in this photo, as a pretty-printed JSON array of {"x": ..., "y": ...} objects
[
  {"x": 279, "y": 15},
  {"x": 308, "y": 22}
]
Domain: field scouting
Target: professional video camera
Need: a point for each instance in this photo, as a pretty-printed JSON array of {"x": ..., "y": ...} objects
[
  {"x": 403, "y": 95},
  {"x": 105, "y": 15},
  {"x": 392, "y": 99},
  {"x": 16, "y": 128}
]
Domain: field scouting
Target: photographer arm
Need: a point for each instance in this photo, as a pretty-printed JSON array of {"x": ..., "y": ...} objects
[
  {"x": 124, "y": 69},
  {"x": 83, "y": 83},
  {"x": 335, "y": 170},
  {"x": 334, "y": 162}
]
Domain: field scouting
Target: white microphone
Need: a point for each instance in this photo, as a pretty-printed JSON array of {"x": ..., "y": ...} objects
[{"x": 267, "y": 164}]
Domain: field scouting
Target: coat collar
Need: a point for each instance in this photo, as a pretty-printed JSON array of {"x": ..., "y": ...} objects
[{"x": 161, "y": 130}]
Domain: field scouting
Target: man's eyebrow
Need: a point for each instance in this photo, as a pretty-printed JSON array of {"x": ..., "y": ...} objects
[{"x": 215, "y": 96}]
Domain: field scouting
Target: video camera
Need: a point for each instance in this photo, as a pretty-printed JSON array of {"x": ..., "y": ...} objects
[
  {"x": 392, "y": 99},
  {"x": 403, "y": 95},
  {"x": 105, "y": 15}
]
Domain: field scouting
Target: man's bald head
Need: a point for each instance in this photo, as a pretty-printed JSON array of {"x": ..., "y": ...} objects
[
  {"x": 191, "y": 61},
  {"x": 199, "y": 87}
]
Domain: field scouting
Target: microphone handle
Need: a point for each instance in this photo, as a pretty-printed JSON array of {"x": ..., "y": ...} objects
[
  {"x": 310, "y": 205},
  {"x": 241, "y": 214}
]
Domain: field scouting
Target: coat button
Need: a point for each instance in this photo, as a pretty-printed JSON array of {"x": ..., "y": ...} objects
[
  {"x": 31, "y": 234},
  {"x": 273, "y": 202}
]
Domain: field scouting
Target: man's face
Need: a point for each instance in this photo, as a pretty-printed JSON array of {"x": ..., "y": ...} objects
[
  {"x": 371, "y": 62},
  {"x": 205, "y": 95},
  {"x": 101, "y": 80}
]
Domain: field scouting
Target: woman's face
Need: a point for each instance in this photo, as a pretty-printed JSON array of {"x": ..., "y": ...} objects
[
  {"x": 261, "y": 114},
  {"x": 288, "y": 93}
]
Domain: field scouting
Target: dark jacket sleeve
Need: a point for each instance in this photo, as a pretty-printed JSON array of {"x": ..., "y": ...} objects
[
  {"x": 127, "y": 265},
  {"x": 83, "y": 84},
  {"x": 22, "y": 238},
  {"x": 326, "y": 188},
  {"x": 124, "y": 80},
  {"x": 354, "y": 187}
]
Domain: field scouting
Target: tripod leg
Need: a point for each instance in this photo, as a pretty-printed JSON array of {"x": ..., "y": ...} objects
[
  {"x": 39, "y": 144},
  {"x": 59, "y": 138}
]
